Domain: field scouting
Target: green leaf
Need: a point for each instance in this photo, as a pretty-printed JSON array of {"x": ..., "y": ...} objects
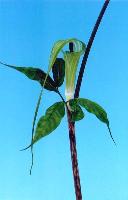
[
  {"x": 35, "y": 74},
  {"x": 58, "y": 71},
  {"x": 97, "y": 110},
  {"x": 50, "y": 121},
  {"x": 76, "y": 111},
  {"x": 94, "y": 108},
  {"x": 77, "y": 114}
]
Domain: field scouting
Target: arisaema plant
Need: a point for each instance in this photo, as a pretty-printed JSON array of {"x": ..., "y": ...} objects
[
  {"x": 63, "y": 64},
  {"x": 62, "y": 68}
]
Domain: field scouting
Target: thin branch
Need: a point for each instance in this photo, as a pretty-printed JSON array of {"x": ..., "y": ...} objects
[
  {"x": 61, "y": 96},
  {"x": 87, "y": 51}
]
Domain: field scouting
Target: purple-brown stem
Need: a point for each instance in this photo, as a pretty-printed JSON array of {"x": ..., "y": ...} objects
[
  {"x": 71, "y": 125},
  {"x": 89, "y": 45},
  {"x": 73, "y": 150}
]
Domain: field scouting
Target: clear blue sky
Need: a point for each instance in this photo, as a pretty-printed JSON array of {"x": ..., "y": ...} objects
[{"x": 28, "y": 30}]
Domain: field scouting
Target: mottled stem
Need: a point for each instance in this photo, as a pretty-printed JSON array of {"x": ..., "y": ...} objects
[
  {"x": 71, "y": 125},
  {"x": 73, "y": 150}
]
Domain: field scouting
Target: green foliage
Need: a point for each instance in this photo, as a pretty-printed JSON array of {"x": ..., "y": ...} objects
[
  {"x": 76, "y": 111},
  {"x": 37, "y": 75},
  {"x": 95, "y": 109},
  {"x": 77, "y": 114},
  {"x": 61, "y": 68},
  {"x": 58, "y": 71},
  {"x": 50, "y": 121}
]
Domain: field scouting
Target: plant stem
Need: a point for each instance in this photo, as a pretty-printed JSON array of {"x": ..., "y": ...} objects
[
  {"x": 89, "y": 45},
  {"x": 71, "y": 125},
  {"x": 73, "y": 150}
]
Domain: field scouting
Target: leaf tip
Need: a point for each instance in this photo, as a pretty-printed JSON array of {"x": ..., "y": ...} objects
[
  {"x": 25, "y": 148},
  {"x": 111, "y": 134}
]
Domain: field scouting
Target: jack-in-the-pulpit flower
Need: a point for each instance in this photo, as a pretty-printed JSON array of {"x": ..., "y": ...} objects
[{"x": 71, "y": 62}]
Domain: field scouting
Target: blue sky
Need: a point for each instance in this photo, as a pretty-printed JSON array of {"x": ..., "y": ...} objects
[{"x": 28, "y": 31}]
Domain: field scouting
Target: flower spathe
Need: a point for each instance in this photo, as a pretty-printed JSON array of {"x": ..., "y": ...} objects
[{"x": 71, "y": 62}]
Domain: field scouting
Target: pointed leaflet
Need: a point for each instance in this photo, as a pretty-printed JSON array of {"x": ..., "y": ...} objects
[
  {"x": 76, "y": 111},
  {"x": 50, "y": 121},
  {"x": 95, "y": 109},
  {"x": 58, "y": 71},
  {"x": 37, "y": 75}
]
